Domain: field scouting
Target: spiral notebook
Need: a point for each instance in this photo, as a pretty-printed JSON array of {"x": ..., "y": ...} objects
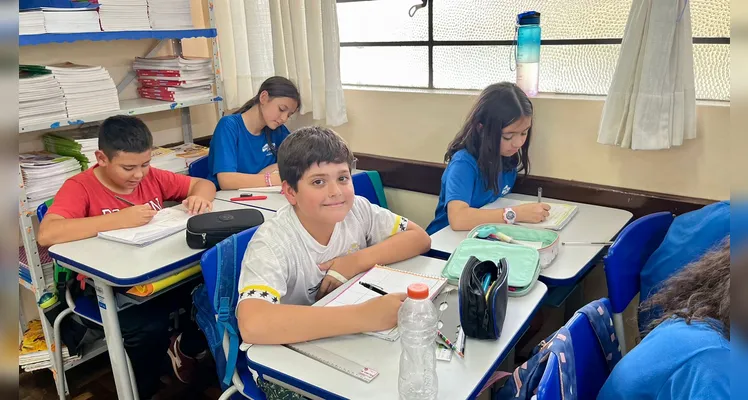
[{"x": 391, "y": 281}]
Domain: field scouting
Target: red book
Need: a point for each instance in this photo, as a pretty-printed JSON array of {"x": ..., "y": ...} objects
[
  {"x": 159, "y": 82},
  {"x": 155, "y": 72}
]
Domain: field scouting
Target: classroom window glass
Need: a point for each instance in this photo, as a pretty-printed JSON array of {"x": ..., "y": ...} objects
[{"x": 382, "y": 45}]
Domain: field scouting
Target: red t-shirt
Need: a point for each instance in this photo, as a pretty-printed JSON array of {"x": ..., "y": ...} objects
[{"x": 84, "y": 196}]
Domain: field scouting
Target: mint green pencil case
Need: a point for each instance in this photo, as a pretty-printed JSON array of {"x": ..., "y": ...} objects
[{"x": 524, "y": 262}]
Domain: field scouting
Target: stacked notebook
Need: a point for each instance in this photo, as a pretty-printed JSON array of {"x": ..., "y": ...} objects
[
  {"x": 172, "y": 78},
  {"x": 44, "y": 173},
  {"x": 31, "y": 22},
  {"x": 88, "y": 89},
  {"x": 189, "y": 152},
  {"x": 70, "y": 20},
  {"x": 33, "y": 349},
  {"x": 389, "y": 280},
  {"x": 170, "y": 14},
  {"x": 40, "y": 96},
  {"x": 80, "y": 144},
  {"x": 124, "y": 15},
  {"x": 167, "y": 222}
]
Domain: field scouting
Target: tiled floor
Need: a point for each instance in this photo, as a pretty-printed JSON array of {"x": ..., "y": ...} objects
[{"x": 94, "y": 381}]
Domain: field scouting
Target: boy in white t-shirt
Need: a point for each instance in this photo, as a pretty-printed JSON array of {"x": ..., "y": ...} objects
[{"x": 325, "y": 236}]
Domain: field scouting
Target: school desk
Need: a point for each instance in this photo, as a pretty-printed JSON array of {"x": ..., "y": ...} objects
[
  {"x": 458, "y": 378},
  {"x": 590, "y": 224},
  {"x": 111, "y": 264},
  {"x": 274, "y": 201}
]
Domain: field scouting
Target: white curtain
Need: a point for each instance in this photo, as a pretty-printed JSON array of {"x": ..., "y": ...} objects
[
  {"x": 651, "y": 104},
  {"x": 297, "y": 39}
]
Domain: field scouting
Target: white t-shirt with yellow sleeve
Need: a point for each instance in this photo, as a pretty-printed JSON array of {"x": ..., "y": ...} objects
[{"x": 281, "y": 264}]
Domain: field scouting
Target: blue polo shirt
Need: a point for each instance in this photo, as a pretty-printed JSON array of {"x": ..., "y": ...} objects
[
  {"x": 462, "y": 181},
  {"x": 234, "y": 149}
]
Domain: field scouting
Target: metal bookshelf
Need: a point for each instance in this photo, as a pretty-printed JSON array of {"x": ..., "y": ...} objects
[{"x": 35, "y": 265}]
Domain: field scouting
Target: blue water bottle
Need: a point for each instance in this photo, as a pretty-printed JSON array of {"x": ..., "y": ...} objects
[{"x": 528, "y": 52}]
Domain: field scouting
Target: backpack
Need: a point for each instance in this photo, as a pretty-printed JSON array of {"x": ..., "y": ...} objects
[
  {"x": 524, "y": 381},
  {"x": 215, "y": 316}
]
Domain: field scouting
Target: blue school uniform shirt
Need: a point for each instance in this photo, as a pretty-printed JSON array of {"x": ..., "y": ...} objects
[
  {"x": 234, "y": 149},
  {"x": 690, "y": 236},
  {"x": 675, "y": 361},
  {"x": 462, "y": 181}
]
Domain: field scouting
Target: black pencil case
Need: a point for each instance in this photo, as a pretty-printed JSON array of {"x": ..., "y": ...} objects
[
  {"x": 206, "y": 230},
  {"x": 482, "y": 311}
]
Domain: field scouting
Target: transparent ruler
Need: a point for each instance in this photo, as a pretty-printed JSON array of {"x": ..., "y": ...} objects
[{"x": 336, "y": 361}]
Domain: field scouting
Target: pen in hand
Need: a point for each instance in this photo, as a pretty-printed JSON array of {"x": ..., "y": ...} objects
[
  {"x": 373, "y": 288},
  {"x": 126, "y": 201}
]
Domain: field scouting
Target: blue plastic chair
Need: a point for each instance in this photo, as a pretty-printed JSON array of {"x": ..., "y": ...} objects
[
  {"x": 199, "y": 168},
  {"x": 589, "y": 360},
  {"x": 242, "y": 381},
  {"x": 625, "y": 260},
  {"x": 368, "y": 184}
]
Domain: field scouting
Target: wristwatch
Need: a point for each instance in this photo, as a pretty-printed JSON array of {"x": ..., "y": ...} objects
[{"x": 509, "y": 215}]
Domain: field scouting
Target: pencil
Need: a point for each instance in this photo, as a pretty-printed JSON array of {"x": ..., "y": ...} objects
[
  {"x": 121, "y": 199},
  {"x": 449, "y": 343},
  {"x": 540, "y": 194},
  {"x": 587, "y": 243}
]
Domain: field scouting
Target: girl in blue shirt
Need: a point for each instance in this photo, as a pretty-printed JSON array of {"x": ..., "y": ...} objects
[
  {"x": 243, "y": 146},
  {"x": 484, "y": 160},
  {"x": 686, "y": 356}
]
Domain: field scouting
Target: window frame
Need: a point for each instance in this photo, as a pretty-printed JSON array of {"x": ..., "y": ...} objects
[{"x": 430, "y": 43}]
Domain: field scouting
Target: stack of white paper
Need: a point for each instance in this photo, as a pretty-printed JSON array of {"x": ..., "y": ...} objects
[
  {"x": 88, "y": 89},
  {"x": 70, "y": 20},
  {"x": 170, "y": 14},
  {"x": 44, "y": 173},
  {"x": 40, "y": 99},
  {"x": 167, "y": 222},
  {"x": 31, "y": 22},
  {"x": 124, "y": 15}
]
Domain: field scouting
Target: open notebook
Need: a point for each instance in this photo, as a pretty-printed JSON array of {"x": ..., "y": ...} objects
[
  {"x": 561, "y": 214},
  {"x": 391, "y": 281},
  {"x": 167, "y": 222}
]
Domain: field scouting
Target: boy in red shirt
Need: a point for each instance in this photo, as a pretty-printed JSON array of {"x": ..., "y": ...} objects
[{"x": 96, "y": 200}]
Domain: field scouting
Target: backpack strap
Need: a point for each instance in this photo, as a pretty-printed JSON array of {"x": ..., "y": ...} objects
[
  {"x": 224, "y": 301},
  {"x": 602, "y": 323}
]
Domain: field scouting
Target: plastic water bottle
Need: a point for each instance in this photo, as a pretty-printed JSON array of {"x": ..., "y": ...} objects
[
  {"x": 528, "y": 52},
  {"x": 417, "y": 321}
]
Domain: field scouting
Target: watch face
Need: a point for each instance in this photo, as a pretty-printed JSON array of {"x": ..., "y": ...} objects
[{"x": 510, "y": 215}]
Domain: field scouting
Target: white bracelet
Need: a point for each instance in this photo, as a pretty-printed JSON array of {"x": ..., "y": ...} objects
[{"x": 337, "y": 275}]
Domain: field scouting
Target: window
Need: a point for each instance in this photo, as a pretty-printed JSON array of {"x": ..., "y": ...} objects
[{"x": 467, "y": 44}]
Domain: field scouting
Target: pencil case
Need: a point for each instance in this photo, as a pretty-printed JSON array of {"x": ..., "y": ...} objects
[
  {"x": 206, "y": 230},
  {"x": 523, "y": 262},
  {"x": 482, "y": 297},
  {"x": 545, "y": 241}
]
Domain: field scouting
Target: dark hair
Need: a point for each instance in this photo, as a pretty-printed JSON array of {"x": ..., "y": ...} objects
[
  {"x": 308, "y": 146},
  {"x": 699, "y": 292},
  {"x": 124, "y": 133},
  {"x": 276, "y": 86},
  {"x": 498, "y": 106}
]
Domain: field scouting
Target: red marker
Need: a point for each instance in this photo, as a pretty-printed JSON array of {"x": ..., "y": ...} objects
[{"x": 246, "y": 198}]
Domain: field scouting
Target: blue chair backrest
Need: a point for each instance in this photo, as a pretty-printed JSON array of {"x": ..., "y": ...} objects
[
  {"x": 366, "y": 187},
  {"x": 209, "y": 261},
  {"x": 199, "y": 168},
  {"x": 626, "y": 257},
  {"x": 590, "y": 363},
  {"x": 41, "y": 211}
]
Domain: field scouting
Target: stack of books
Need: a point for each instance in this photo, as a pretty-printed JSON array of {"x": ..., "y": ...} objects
[
  {"x": 80, "y": 144},
  {"x": 172, "y": 78},
  {"x": 40, "y": 96},
  {"x": 31, "y": 22},
  {"x": 34, "y": 354},
  {"x": 189, "y": 152},
  {"x": 71, "y": 20},
  {"x": 44, "y": 173},
  {"x": 170, "y": 14},
  {"x": 88, "y": 89},
  {"x": 124, "y": 15},
  {"x": 166, "y": 159}
]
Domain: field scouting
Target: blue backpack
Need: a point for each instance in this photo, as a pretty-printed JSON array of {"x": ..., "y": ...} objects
[{"x": 524, "y": 382}]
